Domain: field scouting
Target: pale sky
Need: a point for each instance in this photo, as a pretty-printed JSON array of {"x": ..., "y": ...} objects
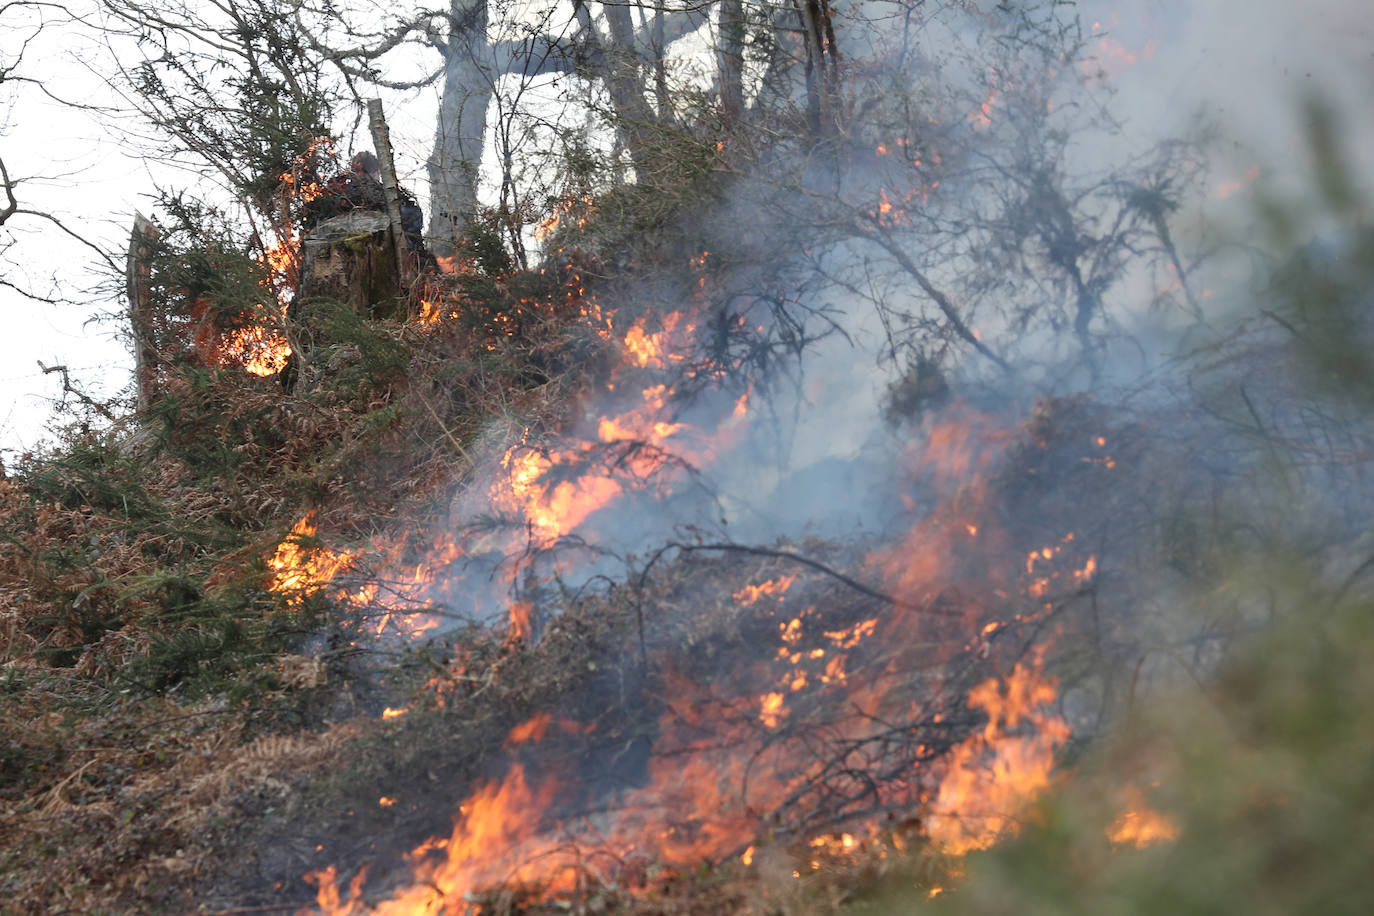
[{"x": 1245, "y": 62}]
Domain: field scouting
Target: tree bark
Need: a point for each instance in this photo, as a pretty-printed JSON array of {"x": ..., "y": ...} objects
[
  {"x": 381, "y": 139},
  {"x": 138, "y": 276},
  {"x": 460, "y": 134},
  {"x": 730, "y": 60}
]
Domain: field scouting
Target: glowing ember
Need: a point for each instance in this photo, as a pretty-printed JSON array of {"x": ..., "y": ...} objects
[
  {"x": 772, "y": 711},
  {"x": 849, "y": 638},
  {"x": 982, "y": 118}
]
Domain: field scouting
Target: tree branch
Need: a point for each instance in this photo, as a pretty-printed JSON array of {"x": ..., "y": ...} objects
[
  {"x": 12, "y": 206},
  {"x": 884, "y": 241}
]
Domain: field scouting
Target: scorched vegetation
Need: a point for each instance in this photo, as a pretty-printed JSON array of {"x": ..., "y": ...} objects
[{"x": 771, "y": 504}]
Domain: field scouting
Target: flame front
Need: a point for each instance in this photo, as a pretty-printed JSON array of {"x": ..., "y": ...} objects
[
  {"x": 990, "y": 777},
  {"x": 299, "y": 570},
  {"x": 793, "y": 727}
]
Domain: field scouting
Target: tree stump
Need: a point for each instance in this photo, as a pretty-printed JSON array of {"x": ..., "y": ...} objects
[
  {"x": 352, "y": 259},
  {"x": 347, "y": 262}
]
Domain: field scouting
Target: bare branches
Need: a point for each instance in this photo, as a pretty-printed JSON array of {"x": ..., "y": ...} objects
[
  {"x": 100, "y": 252},
  {"x": 69, "y": 389},
  {"x": 879, "y": 237},
  {"x": 11, "y": 205}
]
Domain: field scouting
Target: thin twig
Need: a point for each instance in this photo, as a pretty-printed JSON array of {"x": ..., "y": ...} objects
[{"x": 819, "y": 567}]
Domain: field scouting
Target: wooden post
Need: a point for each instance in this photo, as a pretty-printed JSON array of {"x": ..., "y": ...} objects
[
  {"x": 138, "y": 276},
  {"x": 381, "y": 138}
]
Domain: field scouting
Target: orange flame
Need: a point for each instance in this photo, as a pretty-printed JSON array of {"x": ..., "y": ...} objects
[
  {"x": 259, "y": 351},
  {"x": 299, "y": 570},
  {"x": 693, "y": 806},
  {"x": 752, "y": 593},
  {"x": 1140, "y": 825},
  {"x": 991, "y": 776}
]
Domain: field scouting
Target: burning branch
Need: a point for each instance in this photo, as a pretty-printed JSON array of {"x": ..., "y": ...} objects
[{"x": 776, "y": 553}]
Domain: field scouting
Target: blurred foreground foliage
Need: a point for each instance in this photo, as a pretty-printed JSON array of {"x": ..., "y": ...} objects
[
  {"x": 1262, "y": 778},
  {"x": 1256, "y": 778}
]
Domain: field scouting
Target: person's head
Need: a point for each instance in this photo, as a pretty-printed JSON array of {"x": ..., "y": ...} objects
[{"x": 365, "y": 163}]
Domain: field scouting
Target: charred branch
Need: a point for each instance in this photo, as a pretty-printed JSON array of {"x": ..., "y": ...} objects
[
  {"x": 801, "y": 559},
  {"x": 880, "y": 237}
]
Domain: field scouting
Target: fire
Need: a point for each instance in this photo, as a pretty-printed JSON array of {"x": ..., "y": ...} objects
[
  {"x": 849, "y": 638},
  {"x": 1139, "y": 825},
  {"x": 561, "y": 213},
  {"x": 533, "y": 729},
  {"x": 555, "y": 508},
  {"x": 773, "y": 587},
  {"x": 1231, "y": 188},
  {"x": 259, "y": 351},
  {"x": 645, "y": 348},
  {"x": 772, "y": 711},
  {"x": 496, "y": 826},
  {"x": 991, "y": 776},
  {"x": 550, "y": 512},
  {"x": 430, "y": 312},
  {"x": 521, "y": 616},
  {"x": 507, "y": 833},
  {"x": 983, "y": 117},
  {"x": 650, "y": 350},
  {"x": 299, "y": 570},
  {"x": 262, "y": 349},
  {"x": 752, "y": 738}
]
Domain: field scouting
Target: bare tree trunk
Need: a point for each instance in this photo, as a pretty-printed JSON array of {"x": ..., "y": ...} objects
[
  {"x": 730, "y": 60},
  {"x": 460, "y": 137},
  {"x": 663, "y": 97},
  {"x": 625, "y": 85},
  {"x": 138, "y": 275},
  {"x": 381, "y": 139},
  {"x": 822, "y": 74}
]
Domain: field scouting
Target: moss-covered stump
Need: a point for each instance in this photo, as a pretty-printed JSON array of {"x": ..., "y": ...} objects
[{"x": 351, "y": 258}]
